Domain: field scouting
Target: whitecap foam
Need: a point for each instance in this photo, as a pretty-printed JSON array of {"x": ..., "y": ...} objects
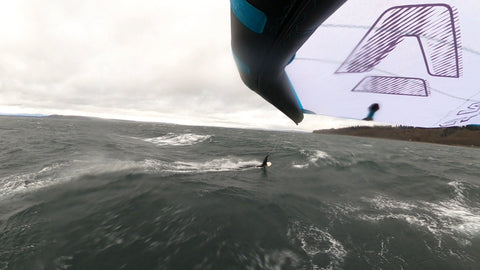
[
  {"x": 277, "y": 259},
  {"x": 63, "y": 262},
  {"x": 58, "y": 173},
  {"x": 456, "y": 214},
  {"x": 313, "y": 156},
  {"x": 458, "y": 218},
  {"x": 416, "y": 220},
  {"x": 63, "y": 172},
  {"x": 317, "y": 241},
  {"x": 409, "y": 212},
  {"x": 15, "y": 184},
  {"x": 344, "y": 209},
  {"x": 178, "y": 139},
  {"x": 214, "y": 165},
  {"x": 300, "y": 166},
  {"x": 384, "y": 203},
  {"x": 453, "y": 217}
]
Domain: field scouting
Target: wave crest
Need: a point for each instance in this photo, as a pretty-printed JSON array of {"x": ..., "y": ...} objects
[
  {"x": 178, "y": 139},
  {"x": 313, "y": 157},
  {"x": 215, "y": 165},
  {"x": 315, "y": 241}
]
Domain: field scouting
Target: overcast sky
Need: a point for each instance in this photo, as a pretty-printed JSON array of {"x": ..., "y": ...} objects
[{"x": 132, "y": 59}]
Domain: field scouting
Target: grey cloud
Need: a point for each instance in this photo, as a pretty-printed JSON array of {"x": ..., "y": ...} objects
[{"x": 165, "y": 58}]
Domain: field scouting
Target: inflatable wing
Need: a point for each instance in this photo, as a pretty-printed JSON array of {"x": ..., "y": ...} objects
[{"x": 402, "y": 62}]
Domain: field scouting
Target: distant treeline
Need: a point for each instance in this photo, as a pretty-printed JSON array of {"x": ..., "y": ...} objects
[{"x": 464, "y": 136}]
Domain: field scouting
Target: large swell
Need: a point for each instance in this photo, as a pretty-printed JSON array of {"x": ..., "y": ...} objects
[{"x": 81, "y": 193}]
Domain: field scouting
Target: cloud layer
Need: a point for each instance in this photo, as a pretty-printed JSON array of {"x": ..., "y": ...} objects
[{"x": 145, "y": 60}]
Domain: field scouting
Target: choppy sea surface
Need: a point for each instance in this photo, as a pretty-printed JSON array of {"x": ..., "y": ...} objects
[{"x": 78, "y": 193}]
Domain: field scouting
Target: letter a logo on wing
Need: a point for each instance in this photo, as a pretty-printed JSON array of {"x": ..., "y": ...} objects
[{"x": 433, "y": 25}]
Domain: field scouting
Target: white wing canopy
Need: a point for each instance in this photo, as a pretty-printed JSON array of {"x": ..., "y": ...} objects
[
  {"x": 404, "y": 62},
  {"x": 417, "y": 64}
]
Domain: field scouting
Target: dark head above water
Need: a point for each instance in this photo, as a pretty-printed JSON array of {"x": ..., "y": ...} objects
[
  {"x": 371, "y": 111},
  {"x": 265, "y": 161}
]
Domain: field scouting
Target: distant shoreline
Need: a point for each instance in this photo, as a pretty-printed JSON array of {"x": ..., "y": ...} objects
[{"x": 458, "y": 136}]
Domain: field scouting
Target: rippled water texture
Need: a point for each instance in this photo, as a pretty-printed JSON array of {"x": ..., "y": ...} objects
[{"x": 78, "y": 193}]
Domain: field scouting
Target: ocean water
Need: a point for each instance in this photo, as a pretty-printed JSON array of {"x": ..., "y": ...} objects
[{"x": 78, "y": 193}]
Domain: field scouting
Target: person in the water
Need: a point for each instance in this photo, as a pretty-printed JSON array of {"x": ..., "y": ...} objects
[
  {"x": 371, "y": 111},
  {"x": 265, "y": 162}
]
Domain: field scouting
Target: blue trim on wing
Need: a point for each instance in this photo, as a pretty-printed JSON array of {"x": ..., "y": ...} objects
[
  {"x": 241, "y": 65},
  {"x": 253, "y": 18},
  {"x": 291, "y": 59},
  {"x": 307, "y": 111},
  {"x": 295, "y": 93}
]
